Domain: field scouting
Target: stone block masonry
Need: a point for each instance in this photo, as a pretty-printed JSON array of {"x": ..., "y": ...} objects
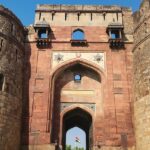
[
  {"x": 104, "y": 92},
  {"x": 11, "y": 76}
]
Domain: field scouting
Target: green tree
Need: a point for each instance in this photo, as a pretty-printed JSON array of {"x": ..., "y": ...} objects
[
  {"x": 68, "y": 147},
  {"x": 78, "y": 148},
  {"x": 81, "y": 148}
]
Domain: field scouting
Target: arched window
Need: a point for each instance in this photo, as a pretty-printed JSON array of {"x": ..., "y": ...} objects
[
  {"x": 1, "y": 82},
  {"x": 77, "y": 78},
  {"x": 78, "y": 34}
]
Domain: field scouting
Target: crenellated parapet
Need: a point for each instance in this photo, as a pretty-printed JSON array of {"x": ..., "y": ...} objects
[{"x": 79, "y": 15}]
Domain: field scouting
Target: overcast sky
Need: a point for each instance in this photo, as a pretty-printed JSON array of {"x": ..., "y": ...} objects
[{"x": 24, "y": 9}]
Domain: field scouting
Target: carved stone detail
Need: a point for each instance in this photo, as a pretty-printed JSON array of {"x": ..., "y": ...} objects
[
  {"x": 94, "y": 57},
  {"x": 88, "y": 105},
  {"x": 58, "y": 57},
  {"x": 98, "y": 58}
]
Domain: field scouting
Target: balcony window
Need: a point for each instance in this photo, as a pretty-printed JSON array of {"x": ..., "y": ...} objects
[{"x": 115, "y": 32}]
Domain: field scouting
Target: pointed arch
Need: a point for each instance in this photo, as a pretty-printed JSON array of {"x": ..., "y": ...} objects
[
  {"x": 77, "y": 106},
  {"x": 78, "y": 116},
  {"x": 57, "y": 71},
  {"x": 72, "y": 62}
]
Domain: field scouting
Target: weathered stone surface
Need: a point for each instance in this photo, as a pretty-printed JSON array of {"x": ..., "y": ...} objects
[
  {"x": 11, "y": 66},
  {"x": 141, "y": 76}
]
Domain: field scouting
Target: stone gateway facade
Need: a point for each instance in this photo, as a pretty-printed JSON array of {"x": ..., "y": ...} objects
[{"x": 77, "y": 65}]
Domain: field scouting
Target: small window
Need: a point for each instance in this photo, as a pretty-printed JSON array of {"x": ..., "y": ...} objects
[
  {"x": 43, "y": 34},
  {"x": 39, "y": 15},
  {"x": 104, "y": 16},
  {"x": 115, "y": 34},
  {"x": 1, "y": 81},
  {"x": 16, "y": 55},
  {"x": 91, "y": 16},
  {"x": 78, "y": 16},
  {"x": 77, "y": 78},
  {"x": 65, "y": 16},
  {"x": 1, "y": 44},
  {"x": 52, "y": 17},
  {"x": 12, "y": 29},
  {"x": 78, "y": 35}
]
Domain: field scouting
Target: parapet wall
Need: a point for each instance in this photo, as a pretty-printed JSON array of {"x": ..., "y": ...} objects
[{"x": 79, "y": 15}]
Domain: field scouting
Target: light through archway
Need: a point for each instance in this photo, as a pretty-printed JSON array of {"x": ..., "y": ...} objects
[
  {"x": 76, "y": 138},
  {"x": 81, "y": 119}
]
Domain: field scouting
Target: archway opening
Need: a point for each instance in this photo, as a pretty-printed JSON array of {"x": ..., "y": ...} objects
[
  {"x": 81, "y": 119},
  {"x": 75, "y": 85},
  {"x": 75, "y": 139}
]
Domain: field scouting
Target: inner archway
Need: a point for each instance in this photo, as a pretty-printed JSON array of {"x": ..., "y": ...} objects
[{"x": 81, "y": 119}]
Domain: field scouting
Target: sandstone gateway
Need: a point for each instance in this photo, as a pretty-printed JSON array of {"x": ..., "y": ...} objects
[{"x": 52, "y": 80}]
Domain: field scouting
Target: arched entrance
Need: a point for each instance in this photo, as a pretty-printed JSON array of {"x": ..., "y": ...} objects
[
  {"x": 78, "y": 118},
  {"x": 75, "y": 83}
]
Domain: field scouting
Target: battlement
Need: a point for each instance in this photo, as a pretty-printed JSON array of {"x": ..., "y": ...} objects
[{"x": 80, "y": 15}]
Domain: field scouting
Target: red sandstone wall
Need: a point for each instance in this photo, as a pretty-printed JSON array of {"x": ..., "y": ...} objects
[{"x": 116, "y": 90}]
